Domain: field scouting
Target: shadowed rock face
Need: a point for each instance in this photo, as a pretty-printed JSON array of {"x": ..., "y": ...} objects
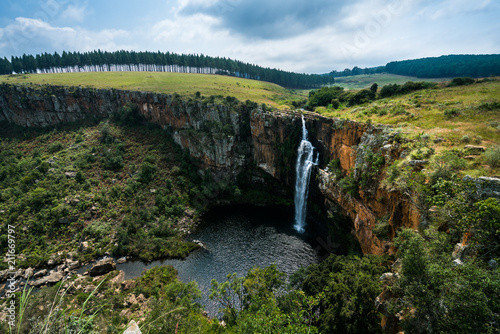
[
  {"x": 102, "y": 267},
  {"x": 230, "y": 139}
]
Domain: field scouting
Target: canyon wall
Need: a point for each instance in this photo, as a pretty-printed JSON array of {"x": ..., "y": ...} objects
[{"x": 228, "y": 138}]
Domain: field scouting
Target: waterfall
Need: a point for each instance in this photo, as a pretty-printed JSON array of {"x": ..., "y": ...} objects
[{"x": 304, "y": 166}]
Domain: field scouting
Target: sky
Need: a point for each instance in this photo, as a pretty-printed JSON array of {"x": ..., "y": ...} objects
[{"x": 314, "y": 36}]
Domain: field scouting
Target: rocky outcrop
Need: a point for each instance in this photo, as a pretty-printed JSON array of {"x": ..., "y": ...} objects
[
  {"x": 232, "y": 138},
  {"x": 485, "y": 186},
  {"x": 102, "y": 267},
  {"x": 132, "y": 328},
  {"x": 53, "y": 277}
]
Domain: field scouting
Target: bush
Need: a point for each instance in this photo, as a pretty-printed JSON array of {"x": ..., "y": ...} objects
[
  {"x": 106, "y": 136},
  {"x": 461, "y": 82},
  {"x": 112, "y": 161},
  {"x": 55, "y": 147},
  {"x": 450, "y": 113},
  {"x": 465, "y": 139},
  {"x": 382, "y": 229},
  {"x": 349, "y": 185},
  {"x": 446, "y": 164},
  {"x": 147, "y": 172},
  {"x": 128, "y": 115},
  {"x": 492, "y": 156}
]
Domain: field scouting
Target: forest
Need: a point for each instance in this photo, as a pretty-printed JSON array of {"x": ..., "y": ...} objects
[
  {"x": 100, "y": 61},
  {"x": 475, "y": 66}
]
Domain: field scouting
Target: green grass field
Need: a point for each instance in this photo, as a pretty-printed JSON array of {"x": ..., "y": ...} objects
[
  {"x": 169, "y": 83},
  {"x": 459, "y": 115},
  {"x": 382, "y": 79}
]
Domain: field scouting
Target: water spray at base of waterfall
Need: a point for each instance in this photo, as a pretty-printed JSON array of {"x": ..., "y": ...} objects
[{"x": 303, "y": 167}]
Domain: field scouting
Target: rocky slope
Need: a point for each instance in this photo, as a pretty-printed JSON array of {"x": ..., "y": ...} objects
[{"x": 229, "y": 138}]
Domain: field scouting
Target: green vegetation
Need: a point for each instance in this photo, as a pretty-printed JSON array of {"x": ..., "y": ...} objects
[
  {"x": 119, "y": 187},
  {"x": 445, "y": 114},
  {"x": 100, "y": 61},
  {"x": 475, "y": 66},
  {"x": 102, "y": 306},
  {"x": 437, "y": 295},
  {"x": 127, "y": 189},
  {"x": 184, "y": 84},
  {"x": 382, "y": 79}
]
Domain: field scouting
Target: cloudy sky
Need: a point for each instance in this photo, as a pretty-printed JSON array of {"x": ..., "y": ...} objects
[{"x": 314, "y": 36}]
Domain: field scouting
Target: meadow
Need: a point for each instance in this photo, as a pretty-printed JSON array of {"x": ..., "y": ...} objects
[
  {"x": 181, "y": 83},
  {"x": 366, "y": 80}
]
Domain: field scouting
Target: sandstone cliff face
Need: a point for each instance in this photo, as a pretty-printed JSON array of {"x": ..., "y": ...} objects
[{"x": 226, "y": 139}]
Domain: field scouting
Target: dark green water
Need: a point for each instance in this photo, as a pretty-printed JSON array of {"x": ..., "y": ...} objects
[{"x": 237, "y": 239}]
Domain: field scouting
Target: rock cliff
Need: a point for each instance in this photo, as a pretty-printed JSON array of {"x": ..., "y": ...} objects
[{"x": 229, "y": 138}]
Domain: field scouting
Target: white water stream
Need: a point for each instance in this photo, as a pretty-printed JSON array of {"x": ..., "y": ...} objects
[{"x": 303, "y": 167}]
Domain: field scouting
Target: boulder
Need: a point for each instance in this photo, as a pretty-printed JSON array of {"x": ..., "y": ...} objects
[
  {"x": 485, "y": 186},
  {"x": 418, "y": 164},
  {"x": 121, "y": 260},
  {"x": 89, "y": 288},
  {"x": 459, "y": 252},
  {"x": 475, "y": 149},
  {"x": 72, "y": 265},
  {"x": 118, "y": 278},
  {"x": 132, "y": 328},
  {"x": 40, "y": 273},
  {"x": 388, "y": 278},
  {"x": 84, "y": 246},
  {"x": 4, "y": 274},
  {"x": 53, "y": 277},
  {"x": 128, "y": 284},
  {"x": 28, "y": 273},
  {"x": 103, "y": 267},
  {"x": 397, "y": 266}
]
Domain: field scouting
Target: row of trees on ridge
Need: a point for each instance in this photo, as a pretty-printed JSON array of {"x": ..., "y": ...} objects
[{"x": 158, "y": 62}]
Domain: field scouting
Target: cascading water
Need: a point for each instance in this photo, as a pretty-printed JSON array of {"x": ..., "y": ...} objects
[{"x": 304, "y": 166}]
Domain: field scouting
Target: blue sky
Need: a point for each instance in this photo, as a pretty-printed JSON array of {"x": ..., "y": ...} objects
[{"x": 314, "y": 36}]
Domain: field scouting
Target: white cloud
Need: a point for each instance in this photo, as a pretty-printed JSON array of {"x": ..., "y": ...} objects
[
  {"x": 364, "y": 33},
  {"x": 32, "y": 36},
  {"x": 74, "y": 13},
  {"x": 194, "y": 29}
]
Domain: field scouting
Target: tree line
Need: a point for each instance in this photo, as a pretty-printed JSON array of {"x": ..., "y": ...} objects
[
  {"x": 357, "y": 71},
  {"x": 99, "y": 61},
  {"x": 451, "y": 66},
  {"x": 475, "y": 66}
]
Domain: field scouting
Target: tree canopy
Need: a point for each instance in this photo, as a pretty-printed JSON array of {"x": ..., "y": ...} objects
[
  {"x": 122, "y": 60},
  {"x": 447, "y": 66}
]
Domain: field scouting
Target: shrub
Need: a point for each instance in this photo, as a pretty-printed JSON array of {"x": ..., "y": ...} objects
[
  {"x": 55, "y": 147},
  {"x": 129, "y": 115},
  {"x": 147, "y": 172},
  {"x": 349, "y": 185},
  {"x": 450, "y": 113},
  {"x": 106, "y": 136},
  {"x": 97, "y": 229},
  {"x": 465, "y": 139},
  {"x": 382, "y": 228},
  {"x": 446, "y": 164},
  {"x": 492, "y": 156},
  {"x": 112, "y": 161},
  {"x": 461, "y": 82}
]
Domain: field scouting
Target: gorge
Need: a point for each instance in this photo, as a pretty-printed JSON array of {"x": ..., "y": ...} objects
[{"x": 234, "y": 139}]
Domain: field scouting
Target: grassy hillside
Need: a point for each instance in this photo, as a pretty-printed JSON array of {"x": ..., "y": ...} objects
[
  {"x": 458, "y": 115},
  {"x": 169, "y": 83},
  {"x": 366, "y": 80}
]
